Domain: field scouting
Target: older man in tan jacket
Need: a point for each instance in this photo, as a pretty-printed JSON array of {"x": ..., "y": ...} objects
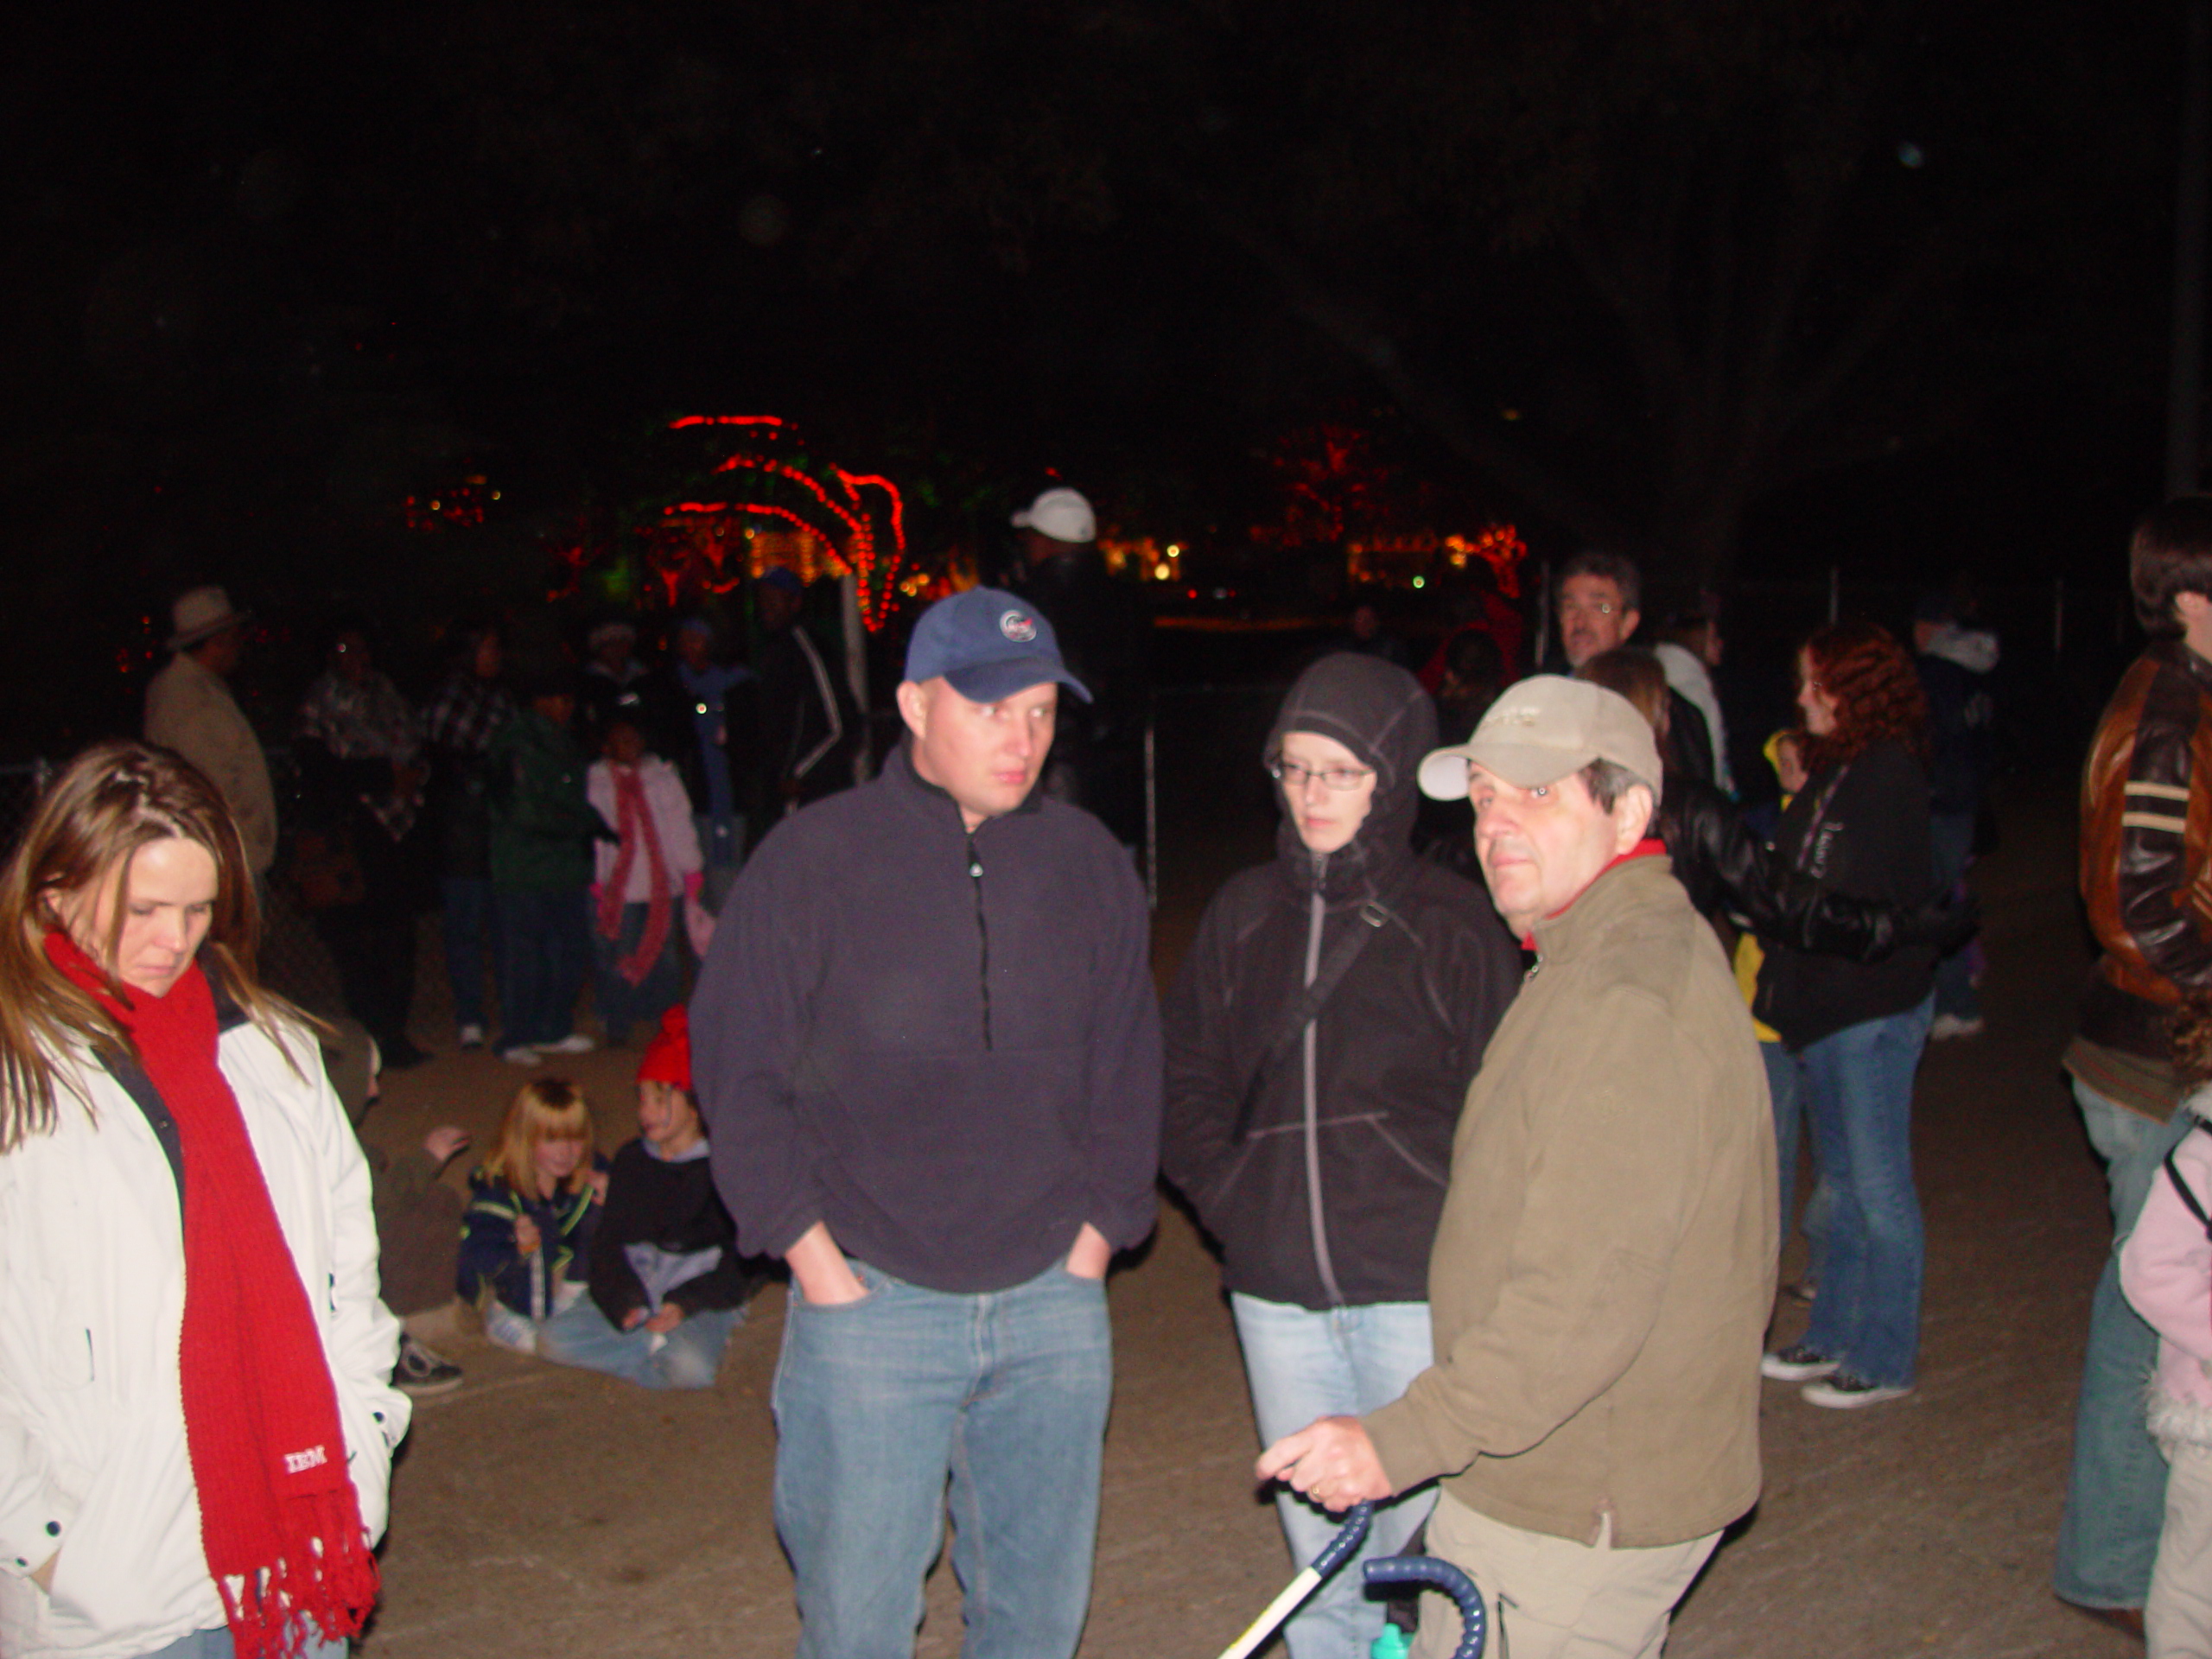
[
  {"x": 189, "y": 708},
  {"x": 1604, "y": 1266}
]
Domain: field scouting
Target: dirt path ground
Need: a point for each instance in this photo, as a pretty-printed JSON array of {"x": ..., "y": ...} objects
[{"x": 556, "y": 1514}]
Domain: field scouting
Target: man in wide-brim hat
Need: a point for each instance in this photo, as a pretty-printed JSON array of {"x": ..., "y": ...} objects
[{"x": 189, "y": 708}]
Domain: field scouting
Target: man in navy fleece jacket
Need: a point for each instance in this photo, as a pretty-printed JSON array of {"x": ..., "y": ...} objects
[{"x": 927, "y": 1047}]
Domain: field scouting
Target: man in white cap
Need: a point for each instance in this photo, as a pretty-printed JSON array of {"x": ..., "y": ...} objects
[
  {"x": 189, "y": 708},
  {"x": 1604, "y": 1266},
  {"x": 1105, "y": 634}
]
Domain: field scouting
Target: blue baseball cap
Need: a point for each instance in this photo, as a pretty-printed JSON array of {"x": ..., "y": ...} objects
[{"x": 989, "y": 645}]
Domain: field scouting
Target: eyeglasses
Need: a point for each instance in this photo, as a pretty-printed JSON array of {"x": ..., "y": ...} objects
[
  {"x": 1289, "y": 772},
  {"x": 1576, "y": 608}
]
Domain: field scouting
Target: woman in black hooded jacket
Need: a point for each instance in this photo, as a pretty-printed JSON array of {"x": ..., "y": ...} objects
[{"x": 1315, "y": 1150}]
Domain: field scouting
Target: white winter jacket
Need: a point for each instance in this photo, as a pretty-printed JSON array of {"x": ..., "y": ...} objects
[
  {"x": 92, "y": 1454},
  {"x": 669, "y": 807}
]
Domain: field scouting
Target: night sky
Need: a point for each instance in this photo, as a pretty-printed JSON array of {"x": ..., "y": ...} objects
[{"x": 1743, "y": 288}]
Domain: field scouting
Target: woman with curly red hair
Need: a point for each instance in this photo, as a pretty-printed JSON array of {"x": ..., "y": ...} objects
[{"x": 1856, "y": 1029}]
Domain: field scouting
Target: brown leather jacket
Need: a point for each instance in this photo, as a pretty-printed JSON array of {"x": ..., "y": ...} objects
[{"x": 2146, "y": 826}]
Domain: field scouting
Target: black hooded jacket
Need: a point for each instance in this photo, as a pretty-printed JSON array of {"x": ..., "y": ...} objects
[{"x": 1329, "y": 1195}]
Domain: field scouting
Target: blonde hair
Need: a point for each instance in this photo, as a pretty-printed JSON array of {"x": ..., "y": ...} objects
[
  {"x": 545, "y": 1109},
  {"x": 113, "y": 799}
]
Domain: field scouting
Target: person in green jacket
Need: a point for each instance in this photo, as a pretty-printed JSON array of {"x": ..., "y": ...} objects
[{"x": 542, "y": 827}]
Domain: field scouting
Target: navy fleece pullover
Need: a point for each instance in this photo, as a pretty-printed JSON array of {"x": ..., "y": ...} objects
[{"x": 944, "y": 1044}]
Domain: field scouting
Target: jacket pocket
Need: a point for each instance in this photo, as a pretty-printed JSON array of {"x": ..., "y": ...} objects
[
  {"x": 71, "y": 1361},
  {"x": 1413, "y": 1161},
  {"x": 1219, "y": 1187}
]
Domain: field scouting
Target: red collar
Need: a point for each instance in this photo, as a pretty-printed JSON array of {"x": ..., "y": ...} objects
[{"x": 1649, "y": 847}]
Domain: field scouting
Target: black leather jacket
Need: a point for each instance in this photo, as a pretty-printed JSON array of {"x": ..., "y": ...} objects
[{"x": 1734, "y": 878}]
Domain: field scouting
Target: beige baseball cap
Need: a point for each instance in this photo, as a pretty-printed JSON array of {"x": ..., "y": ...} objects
[{"x": 1540, "y": 729}]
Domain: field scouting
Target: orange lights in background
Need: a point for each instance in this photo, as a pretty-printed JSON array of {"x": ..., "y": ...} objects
[
  {"x": 1500, "y": 547},
  {"x": 1411, "y": 559},
  {"x": 1142, "y": 557},
  {"x": 463, "y": 502}
]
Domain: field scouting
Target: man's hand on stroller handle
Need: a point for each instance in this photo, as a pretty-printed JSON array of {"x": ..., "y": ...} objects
[{"x": 1330, "y": 1461}]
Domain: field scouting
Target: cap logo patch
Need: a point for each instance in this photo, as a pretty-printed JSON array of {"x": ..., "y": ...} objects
[{"x": 1017, "y": 627}]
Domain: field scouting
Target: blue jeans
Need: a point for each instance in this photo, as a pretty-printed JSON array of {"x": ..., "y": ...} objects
[
  {"x": 1951, "y": 836},
  {"x": 468, "y": 912},
  {"x": 688, "y": 1358},
  {"x": 1858, "y": 1086},
  {"x": 217, "y": 1644},
  {"x": 2116, "y": 1492},
  {"x": 621, "y": 1004},
  {"x": 1785, "y": 1085},
  {"x": 1345, "y": 1361},
  {"x": 544, "y": 956},
  {"x": 878, "y": 1402}
]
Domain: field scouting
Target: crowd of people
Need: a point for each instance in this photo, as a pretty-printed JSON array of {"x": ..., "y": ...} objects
[{"x": 1499, "y": 1156}]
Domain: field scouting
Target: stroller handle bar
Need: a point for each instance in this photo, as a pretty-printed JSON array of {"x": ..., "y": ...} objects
[
  {"x": 1393, "y": 1569},
  {"x": 1441, "y": 1575}
]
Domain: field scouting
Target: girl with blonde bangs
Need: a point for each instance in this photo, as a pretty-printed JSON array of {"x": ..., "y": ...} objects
[
  {"x": 533, "y": 1208},
  {"x": 221, "y": 1490},
  {"x": 545, "y": 1109}
]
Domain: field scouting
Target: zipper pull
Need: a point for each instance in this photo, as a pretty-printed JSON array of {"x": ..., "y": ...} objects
[{"x": 975, "y": 860}]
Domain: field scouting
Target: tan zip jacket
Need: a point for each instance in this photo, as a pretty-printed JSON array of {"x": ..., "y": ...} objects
[{"x": 1604, "y": 1267}]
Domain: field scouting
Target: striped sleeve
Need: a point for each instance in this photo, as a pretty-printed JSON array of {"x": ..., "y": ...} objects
[{"x": 2156, "y": 906}]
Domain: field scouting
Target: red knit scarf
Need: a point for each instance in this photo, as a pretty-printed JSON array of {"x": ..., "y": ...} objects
[
  {"x": 633, "y": 822},
  {"x": 278, "y": 1519}
]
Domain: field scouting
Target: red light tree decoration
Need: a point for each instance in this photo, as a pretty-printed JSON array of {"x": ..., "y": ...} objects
[
  {"x": 1332, "y": 485},
  {"x": 859, "y": 516}
]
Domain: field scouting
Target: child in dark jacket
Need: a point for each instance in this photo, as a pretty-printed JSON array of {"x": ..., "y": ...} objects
[
  {"x": 667, "y": 1284},
  {"x": 533, "y": 1208}
]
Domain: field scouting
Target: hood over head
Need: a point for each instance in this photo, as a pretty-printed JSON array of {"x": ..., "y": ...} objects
[{"x": 1380, "y": 713}]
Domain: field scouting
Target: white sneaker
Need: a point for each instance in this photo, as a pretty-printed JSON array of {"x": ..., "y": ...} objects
[
  {"x": 575, "y": 1042},
  {"x": 472, "y": 1036},
  {"x": 1844, "y": 1392},
  {"x": 520, "y": 1056},
  {"x": 1951, "y": 1024},
  {"x": 1796, "y": 1364}
]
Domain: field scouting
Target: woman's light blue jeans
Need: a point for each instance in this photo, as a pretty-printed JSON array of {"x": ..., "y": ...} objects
[
  {"x": 879, "y": 1402},
  {"x": 1858, "y": 1088},
  {"x": 1343, "y": 1362},
  {"x": 689, "y": 1357}
]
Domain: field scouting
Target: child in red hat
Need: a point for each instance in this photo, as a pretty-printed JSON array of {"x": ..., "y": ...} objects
[{"x": 667, "y": 1285}]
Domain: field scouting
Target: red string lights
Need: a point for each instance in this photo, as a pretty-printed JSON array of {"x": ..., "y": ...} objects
[
  {"x": 854, "y": 531},
  {"x": 461, "y": 503},
  {"x": 854, "y": 522}
]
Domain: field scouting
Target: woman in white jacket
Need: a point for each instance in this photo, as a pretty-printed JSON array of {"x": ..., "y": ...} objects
[{"x": 196, "y": 1418}]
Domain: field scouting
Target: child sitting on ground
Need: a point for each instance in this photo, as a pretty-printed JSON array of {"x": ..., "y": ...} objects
[
  {"x": 646, "y": 879},
  {"x": 416, "y": 1214},
  {"x": 533, "y": 1206},
  {"x": 667, "y": 1284},
  {"x": 2165, "y": 1269}
]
